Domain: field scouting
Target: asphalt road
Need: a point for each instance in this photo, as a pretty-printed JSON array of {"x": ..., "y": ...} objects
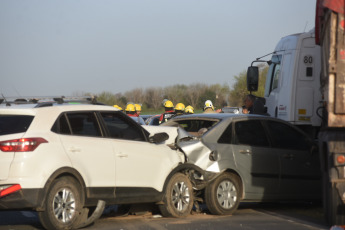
[{"x": 248, "y": 217}]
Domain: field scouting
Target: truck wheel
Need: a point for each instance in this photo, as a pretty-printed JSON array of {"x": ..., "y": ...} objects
[
  {"x": 178, "y": 198},
  {"x": 63, "y": 205},
  {"x": 222, "y": 196}
]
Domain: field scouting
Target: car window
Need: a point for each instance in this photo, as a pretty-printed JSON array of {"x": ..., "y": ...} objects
[
  {"x": 225, "y": 138},
  {"x": 10, "y": 124},
  {"x": 61, "y": 125},
  {"x": 84, "y": 123},
  {"x": 120, "y": 128},
  {"x": 196, "y": 125},
  {"x": 284, "y": 136},
  {"x": 250, "y": 133},
  {"x": 154, "y": 121}
]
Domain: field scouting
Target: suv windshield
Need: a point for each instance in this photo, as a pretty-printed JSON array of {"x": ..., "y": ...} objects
[{"x": 10, "y": 124}]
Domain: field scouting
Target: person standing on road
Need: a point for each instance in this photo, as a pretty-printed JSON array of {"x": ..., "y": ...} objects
[
  {"x": 130, "y": 110},
  {"x": 179, "y": 109},
  {"x": 189, "y": 110},
  {"x": 137, "y": 109},
  {"x": 209, "y": 108},
  {"x": 118, "y": 107},
  {"x": 169, "y": 112}
]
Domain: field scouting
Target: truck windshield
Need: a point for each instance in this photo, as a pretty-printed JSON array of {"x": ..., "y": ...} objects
[{"x": 273, "y": 74}]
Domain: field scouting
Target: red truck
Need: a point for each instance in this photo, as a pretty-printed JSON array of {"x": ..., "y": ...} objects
[{"x": 330, "y": 35}]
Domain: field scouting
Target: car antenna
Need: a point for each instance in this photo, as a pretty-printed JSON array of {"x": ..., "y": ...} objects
[{"x": 7, "y": 104}]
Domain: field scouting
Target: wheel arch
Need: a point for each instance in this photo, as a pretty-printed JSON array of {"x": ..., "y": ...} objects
[
  {"x": 61, "y": 172},
  {"x": 186, "y": 169},
  {"x": 189, "y": 168}
]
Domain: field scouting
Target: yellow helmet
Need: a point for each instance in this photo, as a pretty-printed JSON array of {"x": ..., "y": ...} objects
[
  {"x": 130, "y": 108},
  {"x": 137, "y": 107},
  {"x": 179, "y": 106},
  {"x": 189, "y": 109},
  {"x": 168, "y": 104},
  {"x": 208, "y": 104},
  {"x": 118, "y": 107}
]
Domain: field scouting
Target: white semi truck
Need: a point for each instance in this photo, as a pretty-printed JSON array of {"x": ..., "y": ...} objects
[{"x": 292, "y": 89}]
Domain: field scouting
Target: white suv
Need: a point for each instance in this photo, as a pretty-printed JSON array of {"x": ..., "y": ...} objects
[{"x": 64, "y": 160}]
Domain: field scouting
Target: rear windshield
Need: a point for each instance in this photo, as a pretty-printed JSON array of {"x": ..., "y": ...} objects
[
  {"x": 197, "y": 127},
  {"x": 10, "y": 124}
]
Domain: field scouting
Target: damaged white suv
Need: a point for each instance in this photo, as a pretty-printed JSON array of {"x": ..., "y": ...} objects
[{"x": 64, "y": 160}]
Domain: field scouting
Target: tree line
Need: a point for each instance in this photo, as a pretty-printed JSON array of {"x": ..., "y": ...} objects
[{"x": 194, "y": 94}]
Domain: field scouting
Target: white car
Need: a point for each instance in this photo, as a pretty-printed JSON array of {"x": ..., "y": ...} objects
[{"x": 64, "y": 160}]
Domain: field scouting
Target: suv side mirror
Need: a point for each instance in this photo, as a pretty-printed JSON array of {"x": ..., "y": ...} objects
[
  {"x": 252, "y": 78},
  {"x": 158, "y": 137}
]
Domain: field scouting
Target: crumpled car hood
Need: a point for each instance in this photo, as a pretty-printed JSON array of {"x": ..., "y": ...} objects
[{"x": 196, "y": 151}]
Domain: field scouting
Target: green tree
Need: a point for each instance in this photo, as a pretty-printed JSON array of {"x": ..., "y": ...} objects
[
  {"x": 107, "y": 98},
  {"x": 239, "y": 89}
]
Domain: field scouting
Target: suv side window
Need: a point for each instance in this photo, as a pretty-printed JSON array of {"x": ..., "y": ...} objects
[
  {"x": 284, "y": 136},
  {"x": 118, "y": 127},
  {"x": 84, "y": 123},
  {"x": 250, "y": 133},
  {"x": 61, "y": 125}
]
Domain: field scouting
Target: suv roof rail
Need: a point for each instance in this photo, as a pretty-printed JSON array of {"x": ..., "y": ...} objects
[
  {"x": 44, "y": 104},
  {"x": 49, "y": 99}
]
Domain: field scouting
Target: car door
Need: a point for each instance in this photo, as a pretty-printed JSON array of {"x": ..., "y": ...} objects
[
  {"x": 255, "y": 159},
  {"x": 141, "y": 167},
  {"x": 300, "y": 167},
  {"x": 90, "y": 154}
]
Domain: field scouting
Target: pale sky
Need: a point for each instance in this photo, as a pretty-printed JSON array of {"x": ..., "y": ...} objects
[{"x": 64, "y": 47}]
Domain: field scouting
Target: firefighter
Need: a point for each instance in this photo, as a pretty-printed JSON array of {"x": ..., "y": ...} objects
[
  {"x": 179, "y": 109},
  {"x": 118, "y": 107},
  {"x": 137, "y": 109},
  {"x": 189, "y": 110},
  {"x": 130, "y": 110},
  {"x": 208, "y": 107},
  {"x": 169, "y": 112}
]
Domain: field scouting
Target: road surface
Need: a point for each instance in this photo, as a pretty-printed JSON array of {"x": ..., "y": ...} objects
[{"x": 248, "y": 217}]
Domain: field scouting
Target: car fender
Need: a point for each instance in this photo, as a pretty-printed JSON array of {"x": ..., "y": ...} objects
[{"x": 64, "y": 171}]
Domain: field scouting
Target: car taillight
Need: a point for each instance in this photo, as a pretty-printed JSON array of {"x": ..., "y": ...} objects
[
  {"x": 21, "y": 145},
  {"x": 5, "y": 190}
]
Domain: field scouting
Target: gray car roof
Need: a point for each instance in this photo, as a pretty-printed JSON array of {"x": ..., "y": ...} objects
[{"x": 216, "y": 115}]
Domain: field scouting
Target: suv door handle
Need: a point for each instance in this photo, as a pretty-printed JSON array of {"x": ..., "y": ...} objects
[
  {"x": 74, "y": 149},
  {"x": 122, "y": 155}
]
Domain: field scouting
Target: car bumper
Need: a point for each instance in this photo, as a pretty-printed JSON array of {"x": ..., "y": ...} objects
[{"x": 22, "y": 199}]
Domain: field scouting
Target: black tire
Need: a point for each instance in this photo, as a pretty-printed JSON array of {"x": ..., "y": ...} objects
[
  {"x": 178, "y": 198},
  {"x": 63, "y": 205},
  {"x": 222, "y": 196}
]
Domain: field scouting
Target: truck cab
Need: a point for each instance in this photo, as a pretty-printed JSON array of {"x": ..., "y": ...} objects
[{"x": 293, "y": 81}]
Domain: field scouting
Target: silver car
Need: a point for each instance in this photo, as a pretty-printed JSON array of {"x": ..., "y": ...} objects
[{"x": 248, "y": 158}]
